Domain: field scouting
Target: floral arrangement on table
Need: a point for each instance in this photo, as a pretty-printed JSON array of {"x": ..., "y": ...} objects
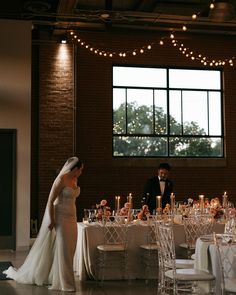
[
  {"x": 213, "y": 207},
  {"x": 167, "y": 209},
  {"x": 144, "y": 213},
  {"x": 125, "y": 211},
  {"x": 102, "y": 210}
]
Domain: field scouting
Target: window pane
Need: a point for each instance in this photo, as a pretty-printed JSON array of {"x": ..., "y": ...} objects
[
  {"x": 160, "y": 101},
  {"x": 196, "y": 147},
  {"x": 215, "y": 113},
  {"x": 195, "y": 115},
  {"x": 175, "y": 112},
  {"x": 119, "y": 114},
  {"x": 198, "y": 79},
  {"x": 139, "y": 146},
  {"x": 184, "y": 107},
  {"x": 140, "y": 77},
  {"x": 139, "y": 111}
]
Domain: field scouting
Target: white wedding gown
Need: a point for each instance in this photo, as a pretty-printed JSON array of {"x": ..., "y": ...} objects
[{"x": 50, "y": 260}]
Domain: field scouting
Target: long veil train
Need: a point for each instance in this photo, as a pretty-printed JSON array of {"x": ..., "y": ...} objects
[{"x": 37, "y": 267}]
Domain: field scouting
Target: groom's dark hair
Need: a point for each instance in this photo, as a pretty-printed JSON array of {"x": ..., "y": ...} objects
[{"x": 164, "y": 166}]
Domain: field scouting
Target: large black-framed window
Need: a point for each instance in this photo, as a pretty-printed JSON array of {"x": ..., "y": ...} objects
[{"x": 167, "y": 112}]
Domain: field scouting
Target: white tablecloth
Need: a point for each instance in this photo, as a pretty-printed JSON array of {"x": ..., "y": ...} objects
[
  {"x": 207, "y": 259},
  {"x": 89, "y": 236}
]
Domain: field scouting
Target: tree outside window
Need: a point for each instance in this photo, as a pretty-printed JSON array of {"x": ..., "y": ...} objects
[{"x": 161, "y": 112}]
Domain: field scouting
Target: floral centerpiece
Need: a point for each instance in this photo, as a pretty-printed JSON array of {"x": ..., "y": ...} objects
[
  {"x": 125, "y": 211},
  {"x": 215, "y": 208},
  {"x": 102, "y": 210},
  {"x": 144, "y": 213},
  {"x": 167, "y": 209}
]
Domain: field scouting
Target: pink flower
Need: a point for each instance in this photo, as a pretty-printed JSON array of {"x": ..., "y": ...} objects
[
  {"x": 103, "y": 202},
  {"x": 145, "y": 208},
  {"x": 99, "y": 215},
  {"x": 123, "y": 211},
  {"x": 127, "y": 205},
  {"x": 108, "y": 213}
]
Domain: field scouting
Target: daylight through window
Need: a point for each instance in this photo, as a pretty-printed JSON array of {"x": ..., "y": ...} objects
[{"x": 167, "y": 112}]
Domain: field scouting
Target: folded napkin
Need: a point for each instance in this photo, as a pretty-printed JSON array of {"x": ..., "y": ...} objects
[{"x": 201, "y": 254}]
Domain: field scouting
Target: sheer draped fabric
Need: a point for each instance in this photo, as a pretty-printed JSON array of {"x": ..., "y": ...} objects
[{"x": 50, "y": 260}]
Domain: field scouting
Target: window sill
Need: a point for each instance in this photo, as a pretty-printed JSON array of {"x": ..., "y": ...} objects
[{"x": 180, "y": 162}]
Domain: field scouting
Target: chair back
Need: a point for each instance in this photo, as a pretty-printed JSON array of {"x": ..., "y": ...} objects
[
  {"x": 230, "y": 226},
  {"x": 151, "y": 234},
  {"x": 196, "y": 226},
  {"x": 114, "y": 230},
  {"x": 166, "y": 246},
  {"x": 226, "y": 245}
]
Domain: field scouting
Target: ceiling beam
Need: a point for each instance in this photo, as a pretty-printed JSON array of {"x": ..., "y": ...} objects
[{"x": 66, "y": 7}]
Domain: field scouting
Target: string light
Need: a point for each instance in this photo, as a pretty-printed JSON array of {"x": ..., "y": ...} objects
[
  {"x": 107, "y": 53},
  {"x": 212, "y": 6},
  {"x": 187, "y": 52},
  {"x": 206, "y": 61}
]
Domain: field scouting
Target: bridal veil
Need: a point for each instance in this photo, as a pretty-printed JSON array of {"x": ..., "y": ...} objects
[{"x": 37, "y": 267}]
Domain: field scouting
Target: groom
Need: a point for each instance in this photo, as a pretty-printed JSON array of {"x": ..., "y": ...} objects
[{"x": 159, "y": 185}]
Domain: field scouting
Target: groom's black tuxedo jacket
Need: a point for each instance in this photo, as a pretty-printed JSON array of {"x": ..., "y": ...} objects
[{"x": 152, "y": 189}]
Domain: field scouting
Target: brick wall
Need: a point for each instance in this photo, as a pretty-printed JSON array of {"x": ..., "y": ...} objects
[
  {"x": 104, "y": 176},
  {"x": 55, "y": 115}
]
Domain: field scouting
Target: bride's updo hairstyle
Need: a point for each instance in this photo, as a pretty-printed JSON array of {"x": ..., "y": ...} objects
[{"x": 78, "y": 165}]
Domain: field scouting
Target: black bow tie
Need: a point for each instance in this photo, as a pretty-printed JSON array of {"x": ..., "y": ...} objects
[{"x": 163, "y": 180}]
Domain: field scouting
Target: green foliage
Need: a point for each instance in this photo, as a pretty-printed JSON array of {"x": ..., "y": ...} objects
[{"x": 146, "y": 134}]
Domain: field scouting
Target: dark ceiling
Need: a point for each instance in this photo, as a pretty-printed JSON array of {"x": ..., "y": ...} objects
[{"x": 127, "y": 14}]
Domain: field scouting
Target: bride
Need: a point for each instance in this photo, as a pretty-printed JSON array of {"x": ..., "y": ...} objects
[{"x": 50, "y": 260}]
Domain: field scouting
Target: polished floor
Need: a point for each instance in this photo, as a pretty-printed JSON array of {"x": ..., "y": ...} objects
[{"x": 132, "y": 287}]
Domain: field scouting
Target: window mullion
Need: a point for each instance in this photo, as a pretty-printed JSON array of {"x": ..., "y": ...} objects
[
  {"x": 208, "y": 114},
  {"x": 126, "y": 112}
]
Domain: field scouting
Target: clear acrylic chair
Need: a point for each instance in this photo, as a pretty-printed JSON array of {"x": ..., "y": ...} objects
[
  {"x": 230, "y": 226},
  {"x": 196, "y": 226},
  {"x": 179, "y": 263},
  {"x": 112, "y": 254},
  {"x": 149, "y": 250},
  {"x": 226, "y": 246},
  {"x": 172, "y": 279}
]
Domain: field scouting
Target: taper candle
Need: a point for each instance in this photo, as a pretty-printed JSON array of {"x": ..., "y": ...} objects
[
  {"x": 118, "y": 203},
  {"x": 158, "y": 202},
  {"x": 225, "y": 200},
  {"x": 201, "y": 199},
  {"x": 172, "y": 202}
]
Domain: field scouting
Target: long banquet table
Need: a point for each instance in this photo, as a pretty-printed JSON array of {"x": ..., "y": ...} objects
[{"x": 90, "y": 236}]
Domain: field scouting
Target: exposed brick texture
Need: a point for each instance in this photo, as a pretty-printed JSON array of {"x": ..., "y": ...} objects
[{"x": 104, "y": 176}]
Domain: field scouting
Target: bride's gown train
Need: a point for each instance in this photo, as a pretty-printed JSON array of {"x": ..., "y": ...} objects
[{"x": 50, "y": 260}]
